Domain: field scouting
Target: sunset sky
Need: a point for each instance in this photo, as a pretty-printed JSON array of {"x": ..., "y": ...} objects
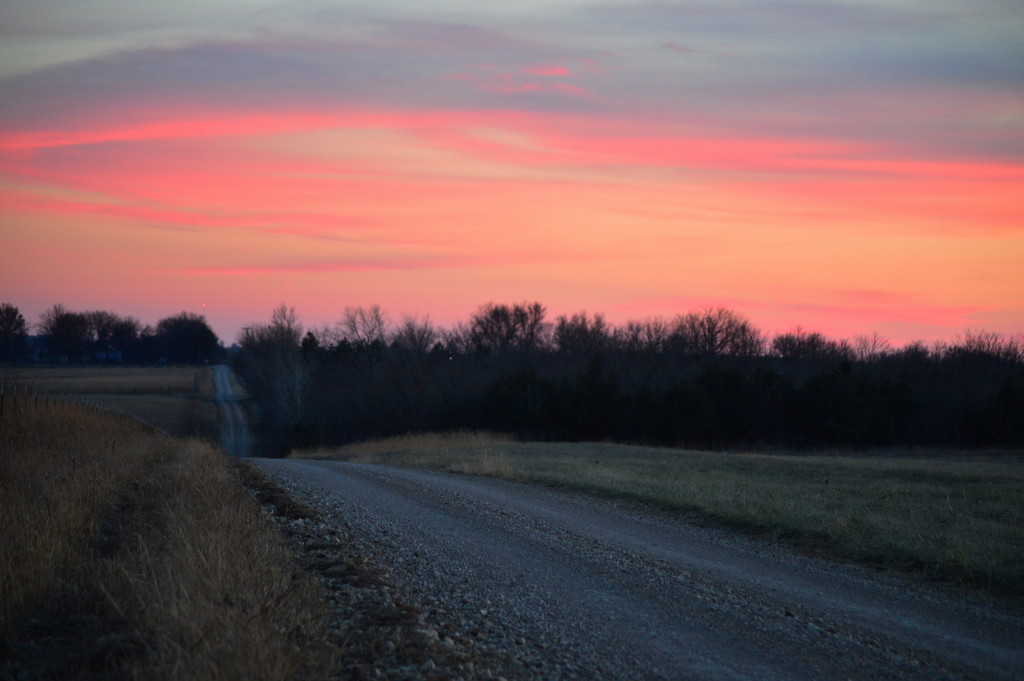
[{"x": 849, "y": 166}]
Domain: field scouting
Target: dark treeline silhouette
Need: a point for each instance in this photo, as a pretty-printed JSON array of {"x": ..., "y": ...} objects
[
  {"x": 708, "y": 379},
  {"x": 103, "y": 337}
]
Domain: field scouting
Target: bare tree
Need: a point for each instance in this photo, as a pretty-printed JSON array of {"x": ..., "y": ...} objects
[
  {"x": 414, "y": 335},
  {"x": 800, "y": 344},
  {"x": 67, "y": 333},
  {"x": 870, "y": 348},
  {"x": 650, "y": 335},
  {"x": 503, "y": 329},
  {"x": 285, "y": 327},
  {"x": 363, "y": 326},
  {"x": 458, "y": 340},
  {"x": 581, "y": 333},
  {"x": 274, "y": 361},
  {"x": 979, "y": 343},
  {"x": 716, "y": 331}
]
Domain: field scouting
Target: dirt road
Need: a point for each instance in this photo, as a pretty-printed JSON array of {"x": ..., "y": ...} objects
[
  {"x": 234, "y": 425},
  {"x": 571, "y": 586}
]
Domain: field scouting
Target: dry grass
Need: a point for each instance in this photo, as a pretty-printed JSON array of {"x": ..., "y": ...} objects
[
  {"x": 180, "y": 415},
  {"x": 125, "y": 553},
  {"x": 177, "y": 400},
  {"x": 428, "y": 446},
  {"x": 92, "y": 379},
  {"x": 951, "y": 517}
]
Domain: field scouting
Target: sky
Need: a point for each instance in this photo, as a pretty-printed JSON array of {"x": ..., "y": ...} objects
[{"x": 847, "y": 166}]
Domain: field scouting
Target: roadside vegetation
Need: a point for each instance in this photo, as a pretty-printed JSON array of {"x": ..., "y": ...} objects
[
  {"x": 952, "y": 516},
  {"x": 126, "y": 553}
]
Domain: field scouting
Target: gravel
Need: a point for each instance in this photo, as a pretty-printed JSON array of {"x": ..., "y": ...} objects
[{"x": 489, "y": 579}]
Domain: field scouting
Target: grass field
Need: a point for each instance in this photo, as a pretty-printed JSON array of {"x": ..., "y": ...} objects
[
  {"x": 129, "y": 554},
  {"x": 94, "y": 379},
  {"x": 177, "y": 400},
  {"x": 950, "y": 517}
]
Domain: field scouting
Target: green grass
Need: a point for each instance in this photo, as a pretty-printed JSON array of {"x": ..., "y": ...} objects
[{"x": 957, "y": 518}]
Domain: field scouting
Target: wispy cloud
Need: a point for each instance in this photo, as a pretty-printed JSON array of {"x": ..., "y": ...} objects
[{"x": 725, "y": 148}]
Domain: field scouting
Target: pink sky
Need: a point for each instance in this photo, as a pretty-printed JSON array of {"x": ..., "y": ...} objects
[{"x": 844, "y": 166}]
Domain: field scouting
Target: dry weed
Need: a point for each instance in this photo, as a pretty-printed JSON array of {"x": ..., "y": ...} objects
[
  {"x": 130, "y": 554},
  {"x": 427, "y": 445}
]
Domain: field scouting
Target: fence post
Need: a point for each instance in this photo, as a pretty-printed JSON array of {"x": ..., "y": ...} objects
[{"x": 1, "y": 402}]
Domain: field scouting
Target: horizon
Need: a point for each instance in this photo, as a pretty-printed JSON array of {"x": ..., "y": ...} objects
[
  {"x": 846, "y": 167},
  {"x": 550, "y": 318}
]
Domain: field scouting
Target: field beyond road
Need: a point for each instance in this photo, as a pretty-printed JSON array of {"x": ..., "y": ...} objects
[
  {"x": 176, "y": 399},
  {"x": 954, "y": 518}
]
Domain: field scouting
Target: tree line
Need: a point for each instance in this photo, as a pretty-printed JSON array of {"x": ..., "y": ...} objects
[
  {"x": 100, "y": 336},
  {"x": 707, "y": 378}
]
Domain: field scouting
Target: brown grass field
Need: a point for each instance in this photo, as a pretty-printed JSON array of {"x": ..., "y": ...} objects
[
  {"x": 128, "y": 554},
  {"x": 956, "y": 517},
  {"x": 176, "y": 400},
  {"x": 116, "y": 380}
]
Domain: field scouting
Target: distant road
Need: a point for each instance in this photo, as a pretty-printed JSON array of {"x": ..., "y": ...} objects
[
  {"x": 575, "y": 586},
  {"x": 234, "y": 425}
]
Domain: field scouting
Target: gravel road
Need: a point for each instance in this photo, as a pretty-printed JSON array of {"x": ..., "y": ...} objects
[
  {"x": 558, "y": 585},
  {"x": 234, "y": 426}
]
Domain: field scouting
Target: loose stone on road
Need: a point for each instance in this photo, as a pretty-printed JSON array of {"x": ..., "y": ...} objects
[{"x": 565, "y": 585}]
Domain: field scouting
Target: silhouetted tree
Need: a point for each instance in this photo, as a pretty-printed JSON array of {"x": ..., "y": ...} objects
[
  {"x": 869, "y": 348},
  {"x": 109, "y": 331},
  {"x": 714, "y": 332},
  {"x": 414, "y": 335},
  {"x": 13, "y": 333},
  {"x": 278, "y": 365},
  {"x": 913, "y": 354},
  {"x": 1001, "y": 422},
  {"x": 980, "y": 345},
  {"x": 186, "y": 338},
  {"x": 67, "y": 333},
  {"x": 649, "y": 336},
  {"x": 800, "y": 344},
  {"x": 730, "y": 393},
  {"x": 843, "y": 408},
  {"x": 503, "y": 329},
  {"x": 592, "y": 406},
  {"x": 310, "y": 346},
  {"x": 458, "y": 340},
  {"x": 693, "y": 414},
  {"x": 704, "y": 379},
  {"x": 581, "y": 334},
  {"x": 522, "y": 403},
  {"x": 363, "y": 326},
  {"x": 126, "y": 335}
]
